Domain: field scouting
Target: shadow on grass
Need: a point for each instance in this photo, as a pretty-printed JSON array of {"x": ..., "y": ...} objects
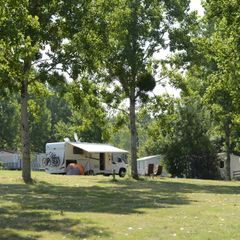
[
  {"x": 171, "y": 187},
  {"x": 36, "y": 222},
  {"x": 116, "y": 199},
  {"x": 36, "y": 203},
  {"x": 120, "y": 197},
  {"x": 10, "y": 234}
]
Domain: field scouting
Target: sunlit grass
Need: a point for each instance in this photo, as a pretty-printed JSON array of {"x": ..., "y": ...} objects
[{"x": 95, "y": 207}]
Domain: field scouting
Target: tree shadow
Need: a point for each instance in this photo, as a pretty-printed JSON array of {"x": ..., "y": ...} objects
[
  {"x": 124, "y": 199},
  {"x": 169, "y": 187},
  {"x": 10, "y": 234},
  {"x": 36, "y": 203},
  {"x": 13, "y": 220}
]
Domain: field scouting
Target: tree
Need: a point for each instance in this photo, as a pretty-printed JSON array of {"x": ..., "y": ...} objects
[
  {"x": 210, "y": 61},
  {"x": 189, "y": 150},
  {"x": 26, "y": 27},
  {"x": 121, "y": 41},
  {"x": 224, "y": 50}
]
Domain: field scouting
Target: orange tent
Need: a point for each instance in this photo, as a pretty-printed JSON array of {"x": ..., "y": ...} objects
[{"x": 75, "y": 169}]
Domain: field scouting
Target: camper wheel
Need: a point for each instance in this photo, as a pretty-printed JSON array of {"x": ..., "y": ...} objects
[{"x": 122, "y": 172}]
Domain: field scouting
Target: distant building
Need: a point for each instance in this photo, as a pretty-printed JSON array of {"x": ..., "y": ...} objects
[
  {"x": 143, "y": 163},
  {"x": 10, "y": 160},
  {"x": 234, "y": 165}
]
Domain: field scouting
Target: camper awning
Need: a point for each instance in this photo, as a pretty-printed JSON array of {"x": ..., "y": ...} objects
[{"x": 98, "y": 148}]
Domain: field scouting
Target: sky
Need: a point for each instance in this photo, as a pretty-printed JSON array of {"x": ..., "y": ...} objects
[{"x": 194, "y": 5}]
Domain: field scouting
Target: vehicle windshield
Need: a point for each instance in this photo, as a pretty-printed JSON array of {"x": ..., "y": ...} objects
[{"x": 120, "y": 158}]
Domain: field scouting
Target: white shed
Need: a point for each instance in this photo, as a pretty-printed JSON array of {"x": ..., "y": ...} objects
[
  {"x": 142, "y": 164},
  {"x": 234, "y": 165}
]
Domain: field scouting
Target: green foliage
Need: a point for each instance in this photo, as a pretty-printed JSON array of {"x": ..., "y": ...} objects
[
  {"x": 120, "y": 41},
  {"x": 40, "y": 124},
  {"x": 146, "y": 82},
  {"x": 159, "y": 126},
  {"x": 83, "y": 114},
  {"x": 181, "y": 132},
  {"x": 9, "y": 123},
  {"x": 210, "y": 58},
  {"x": 189, "y": 151},
  {"x": 1, "y": 165},
  {"x": 120, "y": 137}
]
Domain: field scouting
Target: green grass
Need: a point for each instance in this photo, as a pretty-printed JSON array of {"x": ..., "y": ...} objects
[{"x": 95, "y": 207}]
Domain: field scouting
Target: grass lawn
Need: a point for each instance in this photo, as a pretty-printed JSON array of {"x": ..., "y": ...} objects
[{"x": 94, "y": 207}]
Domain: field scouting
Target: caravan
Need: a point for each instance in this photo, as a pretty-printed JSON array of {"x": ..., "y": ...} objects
[{"x": 95, "y": 158}]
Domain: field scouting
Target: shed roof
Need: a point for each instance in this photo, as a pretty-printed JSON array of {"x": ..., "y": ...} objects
[{"x": 149, "y": 157}]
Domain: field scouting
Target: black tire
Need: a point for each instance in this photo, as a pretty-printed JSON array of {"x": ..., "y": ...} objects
[{"x": 122, "y": 172}]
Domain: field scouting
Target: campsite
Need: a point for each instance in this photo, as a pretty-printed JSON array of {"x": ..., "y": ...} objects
[{"x": 119, "y": 119}]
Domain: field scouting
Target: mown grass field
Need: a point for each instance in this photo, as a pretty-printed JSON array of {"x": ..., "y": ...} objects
[{"x": 95, "y": 207}]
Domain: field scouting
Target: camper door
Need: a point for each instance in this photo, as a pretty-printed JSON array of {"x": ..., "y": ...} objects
[{"x": 108, "y": 162}]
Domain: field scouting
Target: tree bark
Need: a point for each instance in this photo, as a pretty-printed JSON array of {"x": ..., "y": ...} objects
[
  {"x": 228, "y": 150},
  {"x": 26, "y": 166},
  {"x": 133, "y": 128}
]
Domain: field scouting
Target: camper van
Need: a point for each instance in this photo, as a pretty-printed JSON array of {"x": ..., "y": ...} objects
[{"x": 95, "y": 158}]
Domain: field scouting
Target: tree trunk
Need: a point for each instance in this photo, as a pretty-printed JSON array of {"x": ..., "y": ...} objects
[
  {"x": 228, "y": 150},
  {"x": 133, "y": 128},
  {"x": 26, "y": 167}
]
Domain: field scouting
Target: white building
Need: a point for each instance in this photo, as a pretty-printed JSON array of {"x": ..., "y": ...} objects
[
  {"x": 143, "y": 163},
  {"x": 234, "y": 165},
  {"x": 10, "y": 160}
]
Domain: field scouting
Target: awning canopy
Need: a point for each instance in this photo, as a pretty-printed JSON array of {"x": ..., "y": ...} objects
[{"x": 98, "y": 148}]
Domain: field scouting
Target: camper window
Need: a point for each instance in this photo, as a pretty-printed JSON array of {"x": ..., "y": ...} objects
[
  {"x": 77, "y": 150},
  {"x": 221, "y": 164}
]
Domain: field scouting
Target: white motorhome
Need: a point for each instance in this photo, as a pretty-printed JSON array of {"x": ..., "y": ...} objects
[{"x": 95, "y": 158}]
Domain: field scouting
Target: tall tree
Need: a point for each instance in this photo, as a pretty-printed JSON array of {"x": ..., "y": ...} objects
[
  {"x": 121, "y": 41},
  {"x": 223, "y": 49},
  {"x": 26, "y": 27},
  {"x": 211, "y": 60}
]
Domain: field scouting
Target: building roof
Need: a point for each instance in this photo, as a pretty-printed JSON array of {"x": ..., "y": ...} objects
[
  {"x": 97, "y": 147},
  {"x": 149, "y": 157}
]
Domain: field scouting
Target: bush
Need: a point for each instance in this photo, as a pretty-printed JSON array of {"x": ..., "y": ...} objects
[{"x": 1, "y": 165}]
